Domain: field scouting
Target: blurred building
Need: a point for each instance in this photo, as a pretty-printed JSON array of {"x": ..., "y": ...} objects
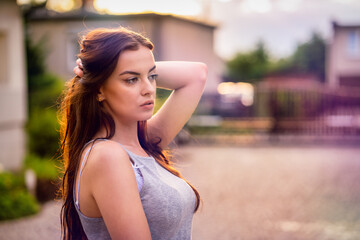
[
  {"x": 12, "y": 86},
  {"x": 174, "y": 37},
  {"x": 343, "y": 58}
]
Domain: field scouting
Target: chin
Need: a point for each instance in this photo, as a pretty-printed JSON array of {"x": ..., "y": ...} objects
[{"x": 145, "y": 118}]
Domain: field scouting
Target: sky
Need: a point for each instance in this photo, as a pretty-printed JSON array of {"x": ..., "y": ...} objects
[{"x": 281, "y": 24}]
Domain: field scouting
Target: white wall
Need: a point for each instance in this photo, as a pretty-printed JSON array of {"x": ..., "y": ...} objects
[
  {"x": 60, "y": 38},
  {"x": 182, "y": 40},
  {"x": 341, "y": 62},
  {"x": 12, "y": 86}
]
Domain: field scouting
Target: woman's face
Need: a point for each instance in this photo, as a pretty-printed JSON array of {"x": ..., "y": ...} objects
[{"x": 129, "y": 92}]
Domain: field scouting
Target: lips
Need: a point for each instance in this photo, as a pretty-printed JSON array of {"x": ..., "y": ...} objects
[{"x": 147, "y": 103}]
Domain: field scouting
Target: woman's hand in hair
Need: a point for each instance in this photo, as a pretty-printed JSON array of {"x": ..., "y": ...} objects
[{"x": 78, "y": 70}]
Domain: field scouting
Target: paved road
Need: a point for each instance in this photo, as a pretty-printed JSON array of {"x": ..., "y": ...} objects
[
  {"x": 275, "y": 192},
  {"x": 43, "y": 226},
  {"x": 254, "y": 193}
]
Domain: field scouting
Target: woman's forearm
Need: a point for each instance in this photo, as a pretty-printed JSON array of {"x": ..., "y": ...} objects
[
  {"x": 175, "y": 75},
  {"x": 187, "y": 79}
]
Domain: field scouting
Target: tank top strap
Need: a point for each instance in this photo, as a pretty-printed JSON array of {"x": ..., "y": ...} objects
[
  {"x": 83, "y": 161},
  {"x": 131, "y": 156}
]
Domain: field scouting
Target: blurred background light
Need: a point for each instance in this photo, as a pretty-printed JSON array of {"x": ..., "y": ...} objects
[
  {"x": 243, "y": 91},
  {"x": 187, "y": 7}
]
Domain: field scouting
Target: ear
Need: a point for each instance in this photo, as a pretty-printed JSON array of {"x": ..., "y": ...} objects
[{"x": 100, "y": 95}]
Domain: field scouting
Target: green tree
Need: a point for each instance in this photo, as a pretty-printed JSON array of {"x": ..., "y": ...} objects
[
  {"x": 309, "y": 57},
  {"x": 249, "y": 67},
  {"x": 44, "y": 90},
  {"x": 35, "y": 58}
]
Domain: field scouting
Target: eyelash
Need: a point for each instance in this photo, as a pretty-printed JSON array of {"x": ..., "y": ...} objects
[
  {"x": 134, "y": 79},
  {"x": 153, "y": 76},
  {"x": 131, "y": 80}
]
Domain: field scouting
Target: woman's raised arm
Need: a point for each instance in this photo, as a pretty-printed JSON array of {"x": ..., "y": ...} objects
[{"x": 187, "y": 79}]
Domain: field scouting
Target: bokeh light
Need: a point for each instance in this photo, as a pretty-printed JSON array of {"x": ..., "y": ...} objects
[{"x": 187, "y": 7}]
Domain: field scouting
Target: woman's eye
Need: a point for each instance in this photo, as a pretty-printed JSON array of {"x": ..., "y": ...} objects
[
  {"x": 153, "y": 77},
  {"x": 131, "y": 80}
]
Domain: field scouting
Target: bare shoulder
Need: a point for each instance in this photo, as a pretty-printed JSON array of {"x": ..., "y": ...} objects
[
  {"x": 107, "y": 156},
  {"x": 112, "y": 190},
  {"x": 108, "y": 150}
]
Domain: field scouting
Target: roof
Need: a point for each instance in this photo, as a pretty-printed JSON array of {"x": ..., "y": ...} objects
[
  {"x": 348, "y": 26},
  {"x": 43, "y": 14}
]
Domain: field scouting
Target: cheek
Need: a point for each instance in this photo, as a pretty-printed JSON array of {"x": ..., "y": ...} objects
[
  {"x": 124, "y": 99},
  {"x": 115, "y": 93}
]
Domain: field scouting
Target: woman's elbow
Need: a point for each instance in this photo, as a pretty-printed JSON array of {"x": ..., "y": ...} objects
[{"x": 202, "y": 73}]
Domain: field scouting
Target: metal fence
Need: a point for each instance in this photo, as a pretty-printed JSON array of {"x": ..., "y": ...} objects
[{"x": 315, "y": 111}]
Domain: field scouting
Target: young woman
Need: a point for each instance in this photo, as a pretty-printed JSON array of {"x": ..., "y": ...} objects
[{"x": 118, "y": 181}]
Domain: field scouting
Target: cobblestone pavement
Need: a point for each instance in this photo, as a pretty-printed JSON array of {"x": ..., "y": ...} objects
[{"x": 253, "y": 193}]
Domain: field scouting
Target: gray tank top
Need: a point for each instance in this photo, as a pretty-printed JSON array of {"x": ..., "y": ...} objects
[{"x": 168, "y": 202}]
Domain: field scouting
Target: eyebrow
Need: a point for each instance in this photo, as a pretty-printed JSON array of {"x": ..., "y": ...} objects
[{"x": 136, "y": 73}]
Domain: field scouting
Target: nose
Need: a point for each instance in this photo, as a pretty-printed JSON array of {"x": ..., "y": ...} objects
[{"x": 148, "y": 87}]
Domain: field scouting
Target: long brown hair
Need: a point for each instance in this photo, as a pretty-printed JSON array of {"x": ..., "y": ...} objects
[{"x": 81, "y": 114}]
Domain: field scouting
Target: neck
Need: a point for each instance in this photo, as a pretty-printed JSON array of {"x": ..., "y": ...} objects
[{"x": 125, "y": 134}]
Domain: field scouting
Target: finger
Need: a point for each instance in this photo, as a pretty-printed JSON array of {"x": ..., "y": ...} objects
[
  {"x": 78, "y": 71},
  {"x": 79, "y": 63}
]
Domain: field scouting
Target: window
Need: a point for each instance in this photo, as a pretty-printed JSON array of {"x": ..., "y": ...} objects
[
  {"x": 353, "y": 43},
  {"x": 4, "y": 58}
]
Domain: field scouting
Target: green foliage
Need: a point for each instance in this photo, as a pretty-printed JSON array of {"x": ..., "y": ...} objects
[
  {"x": 42, "y": 127},
  {"x": 35, "y": 58},
  {"x": 249, "y": 67},
  {"x": 281, "y": 66},
  {"x": 43, "y": 88},
  {"x": 202, "y": 130},
  {"x": 48, "y": 172},
  {"x": 46, "y": 91},
  {"x": 10, "y": 181},
  {"x": 44, "y": 168},
  {"x": 309, "y": 58},
  {"x": 15, "y": 201},
  {"x": 163, "y": 93},
  {"x": 43, "y": 136},
  {"x": 161, "y": 96}
]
